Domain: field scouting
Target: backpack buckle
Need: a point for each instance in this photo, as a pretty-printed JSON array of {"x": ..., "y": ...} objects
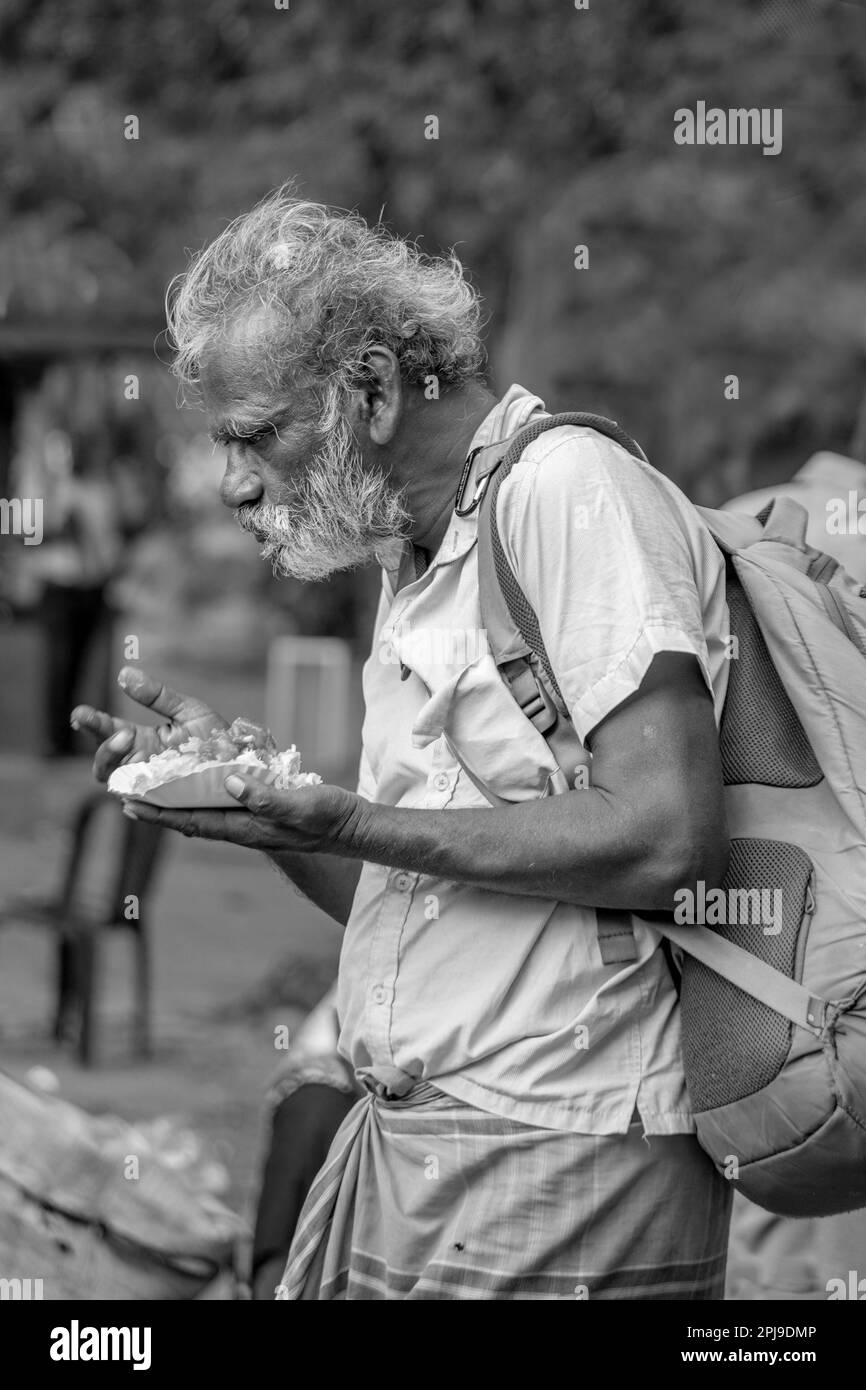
[
  {"x": 529, "y": 692},
  {"x": 817, "y": 1014}
]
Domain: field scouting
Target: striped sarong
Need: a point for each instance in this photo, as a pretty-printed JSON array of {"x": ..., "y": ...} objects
[{"x": 427, "y": 1197}]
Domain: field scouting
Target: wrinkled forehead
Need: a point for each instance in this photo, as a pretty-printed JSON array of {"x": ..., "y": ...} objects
[{"x": 232, "y": 370}]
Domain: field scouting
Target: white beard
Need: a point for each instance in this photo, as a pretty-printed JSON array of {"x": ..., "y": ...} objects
[{"x": 342, "y": 517}]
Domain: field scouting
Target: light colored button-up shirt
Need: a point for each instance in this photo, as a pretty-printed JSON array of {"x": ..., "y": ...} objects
[{"x": 502, "y": 1000}]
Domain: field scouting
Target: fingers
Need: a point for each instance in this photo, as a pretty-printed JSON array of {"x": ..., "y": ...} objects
[
  {"x": 302, "y": 819},
  {"x": 235, "y": 826},
  {"x": 151, "y": 693},
  {"x": 264, "y": 801},
  {"x": 181, "y": 709},
  {"x": 259, "y": 799},
  {"x": 119, "y": 739},
  {"x": 171, "y": 735},
  {"x": 115, "y": 750},
  {"x": 95, "y": 721},
  {"x": 121, "y": 742}
]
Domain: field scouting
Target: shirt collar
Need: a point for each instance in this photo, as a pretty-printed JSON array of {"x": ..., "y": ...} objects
[{"x": 509, "y": 414}]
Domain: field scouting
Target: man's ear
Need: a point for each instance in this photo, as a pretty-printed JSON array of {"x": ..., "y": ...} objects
[{"x": 379, "y": 402}]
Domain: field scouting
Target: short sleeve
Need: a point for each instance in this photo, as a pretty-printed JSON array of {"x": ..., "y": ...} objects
[{"x": 602, "y": 556}]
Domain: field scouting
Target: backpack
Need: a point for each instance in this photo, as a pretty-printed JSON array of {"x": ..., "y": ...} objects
[{"x": 773, "y": 1024}]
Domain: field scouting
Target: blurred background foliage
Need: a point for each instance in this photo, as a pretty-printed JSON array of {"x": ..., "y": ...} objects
[{"x": 555, "y": 129}]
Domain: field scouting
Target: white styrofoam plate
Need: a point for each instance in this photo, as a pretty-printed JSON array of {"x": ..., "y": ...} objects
[{"x": 202, "y": 790}]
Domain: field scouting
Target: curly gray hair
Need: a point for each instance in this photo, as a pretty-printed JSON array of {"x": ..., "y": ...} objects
[{"x": 331, "y": 286}]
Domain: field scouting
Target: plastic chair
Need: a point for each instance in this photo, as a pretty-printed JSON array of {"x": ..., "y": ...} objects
[{"x": 79, "y": 925}]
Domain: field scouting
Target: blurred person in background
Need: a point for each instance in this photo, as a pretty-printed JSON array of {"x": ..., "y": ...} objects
[
  {"x": 80, "y": 553},
  {"x": 777, "y": 1257},
  {"x": 525, "y": 1129}
]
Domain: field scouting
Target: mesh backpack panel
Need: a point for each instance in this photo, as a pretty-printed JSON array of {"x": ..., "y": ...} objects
[
  {"x": 761, "y": 738},
  {"x": 733, "y": 1045}
]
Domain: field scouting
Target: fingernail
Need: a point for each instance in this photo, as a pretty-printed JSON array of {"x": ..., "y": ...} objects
[
  {"x": 124, "y": 738},
  {"x": 128, "y": 811},
  {"x": 234, "y": 786},
  {"x": 74, "y": 724}
]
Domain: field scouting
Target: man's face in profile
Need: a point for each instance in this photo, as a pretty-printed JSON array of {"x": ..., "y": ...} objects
[{"x": 306, "y": 494}]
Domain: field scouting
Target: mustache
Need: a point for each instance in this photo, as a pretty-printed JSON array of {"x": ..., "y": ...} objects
[
  {"x": 340, "y": 517},
  {"x": 267, "y": 521},
  {"x": 262, "y": 519}
]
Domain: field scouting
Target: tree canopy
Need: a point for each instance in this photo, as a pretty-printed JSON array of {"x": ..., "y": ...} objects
[{"x": 555, "y": 128}]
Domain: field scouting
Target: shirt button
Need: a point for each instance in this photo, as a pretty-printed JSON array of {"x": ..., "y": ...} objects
[
  {"x": 442, "y": 782},
  {"x": 402, "y": 882},
  {"x": 380, "y": 994}
]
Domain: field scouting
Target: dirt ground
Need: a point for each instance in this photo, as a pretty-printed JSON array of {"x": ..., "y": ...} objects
[{"x": 224, "y": 927}]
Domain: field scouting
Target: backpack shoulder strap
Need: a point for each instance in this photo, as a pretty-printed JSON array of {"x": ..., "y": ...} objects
[
  {"x": 751, "y": 974},
  {"x": 508, "y": 617},
  {"x": 513, "y": 632}
]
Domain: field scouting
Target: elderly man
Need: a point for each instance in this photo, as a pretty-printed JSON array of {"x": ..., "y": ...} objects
[{"x": 525, "y": 1131}]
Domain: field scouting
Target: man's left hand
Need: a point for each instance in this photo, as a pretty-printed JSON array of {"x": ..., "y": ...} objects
[{"x": 319, "y": 819}]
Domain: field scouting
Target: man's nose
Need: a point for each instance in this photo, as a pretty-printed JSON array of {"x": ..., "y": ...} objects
[{"x": 240, "y": 482}]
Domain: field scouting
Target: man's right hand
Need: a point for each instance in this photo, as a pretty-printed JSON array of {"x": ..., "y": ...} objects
[
  {"x": 327, "y": 880},
  {"x": 123, "y": 742}
]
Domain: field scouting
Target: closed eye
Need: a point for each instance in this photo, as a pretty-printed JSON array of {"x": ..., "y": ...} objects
[
  {"x": 232, "y": 433},
  {"x": 224, "y": 437}
]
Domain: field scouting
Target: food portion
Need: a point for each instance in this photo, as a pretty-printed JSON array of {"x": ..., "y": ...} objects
[{"x": 192, "y": 775}]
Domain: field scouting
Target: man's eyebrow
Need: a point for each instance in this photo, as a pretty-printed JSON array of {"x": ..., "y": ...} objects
[
  {"x": 224, "y": 432},
  {"x": 232, "y": 427}
]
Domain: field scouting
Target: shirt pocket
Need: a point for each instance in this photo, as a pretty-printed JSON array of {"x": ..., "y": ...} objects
[{"x": 488, "y": 732}]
